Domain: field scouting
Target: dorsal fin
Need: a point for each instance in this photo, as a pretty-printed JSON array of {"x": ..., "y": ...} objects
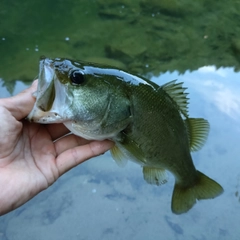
[
  {"x": 177, "y": 92},
  {"x": 197, "y": 129}
]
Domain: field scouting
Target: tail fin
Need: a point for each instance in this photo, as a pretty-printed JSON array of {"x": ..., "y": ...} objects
[{"x": 183, "y": 199}]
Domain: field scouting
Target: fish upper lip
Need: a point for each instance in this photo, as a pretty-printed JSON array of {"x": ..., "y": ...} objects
[{"x": 47, "y": 62}]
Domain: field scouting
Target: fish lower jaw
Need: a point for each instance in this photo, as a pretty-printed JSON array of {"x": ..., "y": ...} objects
[{"x": 39, "y": 116}]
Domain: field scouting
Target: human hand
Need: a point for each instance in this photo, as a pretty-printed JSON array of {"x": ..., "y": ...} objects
[{"x": 32, "y": 157}]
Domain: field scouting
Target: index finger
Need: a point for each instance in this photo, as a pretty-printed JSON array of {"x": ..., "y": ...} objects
[
  {"x": 21, "y": 104},
  {"x": 76, "y": 155}
]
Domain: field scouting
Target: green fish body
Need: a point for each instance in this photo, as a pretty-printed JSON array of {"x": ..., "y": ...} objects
[{"x": 148, "y": 123}]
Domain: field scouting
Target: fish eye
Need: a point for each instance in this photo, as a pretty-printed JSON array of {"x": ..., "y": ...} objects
[{"x": 77, "y": 77}]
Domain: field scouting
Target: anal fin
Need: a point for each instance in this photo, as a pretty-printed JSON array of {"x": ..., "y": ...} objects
[{"x": 155, "y": 176}]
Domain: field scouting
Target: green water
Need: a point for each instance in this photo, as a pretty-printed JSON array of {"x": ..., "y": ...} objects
[{"x": 144, "y": 37}]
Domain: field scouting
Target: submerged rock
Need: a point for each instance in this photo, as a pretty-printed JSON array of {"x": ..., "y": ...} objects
[
  {"x": 106, "y": 61},
  {"x": 126, "y": 50}
]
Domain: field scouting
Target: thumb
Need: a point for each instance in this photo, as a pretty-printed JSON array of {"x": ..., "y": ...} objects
[{"x": 21, "y": 104}]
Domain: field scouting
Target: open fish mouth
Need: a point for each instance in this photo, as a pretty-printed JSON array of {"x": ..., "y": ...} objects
[{"x": 45, "y": 109}]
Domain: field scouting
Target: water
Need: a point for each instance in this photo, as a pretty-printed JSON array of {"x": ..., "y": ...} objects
[{"x": 99, "y": 200}]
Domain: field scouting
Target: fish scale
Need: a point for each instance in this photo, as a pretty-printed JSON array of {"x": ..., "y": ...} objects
[{"x": 148, "y": 123}]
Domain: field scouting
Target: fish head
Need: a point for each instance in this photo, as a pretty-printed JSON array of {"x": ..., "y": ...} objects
[{"x": 91, "y": 102}]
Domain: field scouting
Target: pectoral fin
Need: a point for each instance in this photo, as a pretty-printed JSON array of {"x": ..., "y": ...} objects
[
  {"x": 127, "y": 148},
  {"x": 155, "y": 176}
]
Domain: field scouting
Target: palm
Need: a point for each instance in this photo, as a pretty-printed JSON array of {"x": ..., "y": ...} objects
[
  {"x": 30, "y": 159},
  {"x": 33, "y": 156}
]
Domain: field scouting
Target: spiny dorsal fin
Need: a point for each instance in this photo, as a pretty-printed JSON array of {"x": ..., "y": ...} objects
[
  {"x": 118, "y": 156},
  {"x": 177, "y": 93},
  {"x": 154, "y": 175},
  {"x": 197, "y": 129}
]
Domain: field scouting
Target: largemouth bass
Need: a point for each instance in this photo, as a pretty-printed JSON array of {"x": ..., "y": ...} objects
[{"x": 148, "y": 123}]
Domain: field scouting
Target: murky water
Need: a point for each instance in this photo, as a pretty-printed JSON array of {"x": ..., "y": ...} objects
[{"x": 165, "y": 41}]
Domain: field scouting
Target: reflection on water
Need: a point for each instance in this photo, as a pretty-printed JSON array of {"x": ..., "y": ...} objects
[
  {"x": 98, "y": 200},
  {"x": 237, "y": 193}
]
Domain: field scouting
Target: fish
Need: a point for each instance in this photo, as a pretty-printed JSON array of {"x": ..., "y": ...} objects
[{"x": 149, "y": 123}]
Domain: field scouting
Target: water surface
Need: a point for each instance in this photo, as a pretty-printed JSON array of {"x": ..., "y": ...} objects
[{"x": 164, "y": 41}]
